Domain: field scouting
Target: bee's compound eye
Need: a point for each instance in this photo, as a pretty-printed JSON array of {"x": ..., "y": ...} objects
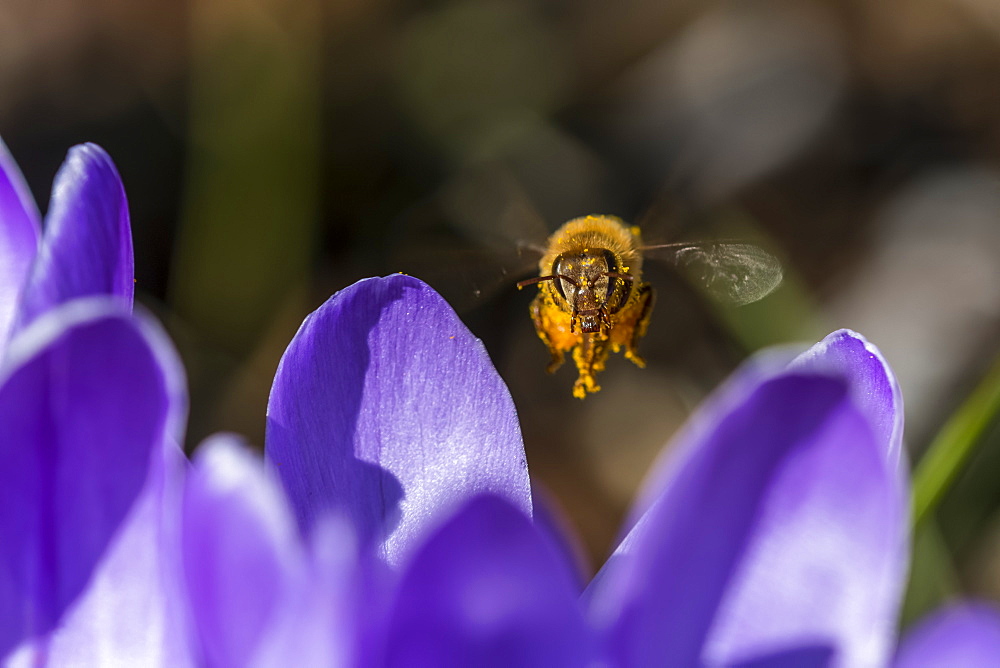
[
  {"x": 611, "y": 261},
  {"x": 561, "y": 267},
  {"x": 618, "y": 288},
  {"x": 566, "y": 289}
]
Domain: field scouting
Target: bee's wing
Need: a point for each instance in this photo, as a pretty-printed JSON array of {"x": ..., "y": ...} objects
[
  {"x": 466, "y": 275},
  {"x": 467, "y": 278},
  {"x": 737, "y": 273},
  {"x": 488, "y": 205},
  {"x": 477, "y": 235}
]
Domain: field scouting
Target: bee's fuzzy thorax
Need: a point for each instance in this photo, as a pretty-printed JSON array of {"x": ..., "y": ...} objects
[{"x": 608, "y": 232}]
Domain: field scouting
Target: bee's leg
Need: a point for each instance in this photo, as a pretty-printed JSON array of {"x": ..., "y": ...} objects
[
  {"x": 558, "y": 356},
  {"x": 590, "y": 357},
  {"x": 585, "y": 385},
  {"x": 605, "y": 321},
  {"x": 645, "y": 309}
]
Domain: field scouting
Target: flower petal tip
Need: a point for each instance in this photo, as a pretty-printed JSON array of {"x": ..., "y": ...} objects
[
  {"x": 387, "y": 408},
  {"x": 873, "y": 384},
  {"x": 86, "y": 248}
]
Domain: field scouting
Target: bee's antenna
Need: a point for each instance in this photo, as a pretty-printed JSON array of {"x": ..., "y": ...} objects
[{"x": 539, "y": 279}]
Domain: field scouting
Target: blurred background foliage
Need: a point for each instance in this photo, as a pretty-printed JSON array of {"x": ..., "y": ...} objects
[{"x": 274, "y": 151}]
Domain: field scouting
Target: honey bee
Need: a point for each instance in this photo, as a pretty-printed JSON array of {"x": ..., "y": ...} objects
[{"x": 592, "y": 300}]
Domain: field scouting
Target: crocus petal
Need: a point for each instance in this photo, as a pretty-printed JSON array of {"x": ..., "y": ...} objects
[
  {"x": 827, "y": 563},
  {"x": 334, "y": 606},
  {"x": 19, "y": 230},
  {"x": 844, "y": 353},
  {"x": 387, "y": 410},
  {"x": 256, "y": 597},
  {"x": 776, "y": 538},
  {"x": 487, "y": 589},
  {"x": 85, "y": 400},
  {"x": 552, "y": 523},
  {"x": 87, "y": 245},
  {"x": 872, "y": 384},
  {"x": 241, "y": 551},
  {"x": 965, "y": 635},
  {"x": 130, "y": 614}
]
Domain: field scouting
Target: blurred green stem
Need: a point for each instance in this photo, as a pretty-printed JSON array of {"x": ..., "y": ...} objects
[
  {"x": 249, "y": 226},
  {"x": 932, "y": 574},
  {"x": 954, "y": 444}
]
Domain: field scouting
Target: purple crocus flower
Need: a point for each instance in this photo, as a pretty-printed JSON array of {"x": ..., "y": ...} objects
[
  {"x": 775, "y": 532},
  {"x": 91, "y": 411},
  {"x": 392, "y": 523}
]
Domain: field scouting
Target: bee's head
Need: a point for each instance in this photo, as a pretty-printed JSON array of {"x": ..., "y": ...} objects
[{"x": 591, "y": 285}]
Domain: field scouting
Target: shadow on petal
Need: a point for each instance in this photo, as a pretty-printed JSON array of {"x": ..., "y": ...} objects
[
  {"x": 811, "y": 656},
  {"x": 312, "y": 417}
]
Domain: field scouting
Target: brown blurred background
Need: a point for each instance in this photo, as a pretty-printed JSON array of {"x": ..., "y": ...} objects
[{"x": 274, "y": 151}]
